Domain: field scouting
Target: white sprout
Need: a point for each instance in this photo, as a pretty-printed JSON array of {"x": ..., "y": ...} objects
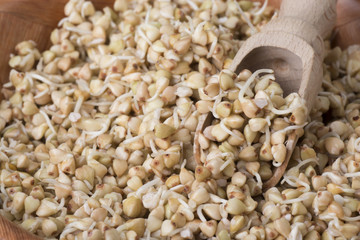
[
  {"x": 357, "y": 144},
  {"x": 192, "y": 5},
  {"x": 182, "y": 202},
  {"x": 153, "y": 147},
  {"x": 228, "y": 131},
  {"x": 294, "y": 200},
  {"x": 247, "y": 20},
  {"x": 7, "y": 85},
  {"x": 330, "y": 134},
  {"x": 42, "y": 93},
  {"x": 217, "y": 199},
  {"x": 78, "y": 30},
  {"x": 225, "y": 164},
  {"x": 212, "y": 48},
  {"x": 217, "y": 101},
  {"x": 78, "y": 104},
  {"x": 290, "y": 128},
  {"x": 44, "y": 80},
  {"x": 183, "y": 164},
  {"x": 304, "y": 184},
  {"x": 48, "y": 121},
  {"x": 352, "y": 175},
  {"x": 94, "y": 134},
  {"x": 142, "y": 34},
  {"x": 303, "y": 163},
  {"x": 200, "y": 214},
  {"x": 258, "y": 179},
  {"x": 177, "y": 187},
  {"x": 250, "y": 80},
  {"x": 351, "y": 219},
  {"x": 146, "y": 186},
  {"x": 93, "y": 103},
  {"x": 109, "y": 209},
  {"x": 95, "y": 41},
  {"x": 262, "y": 9}
]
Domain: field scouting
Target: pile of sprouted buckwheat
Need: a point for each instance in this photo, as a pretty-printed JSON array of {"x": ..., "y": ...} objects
[{"x": 97, "y": 132}]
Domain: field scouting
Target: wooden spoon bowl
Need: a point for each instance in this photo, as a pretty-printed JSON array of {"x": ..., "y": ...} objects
[{"x": 291, "y": 45}]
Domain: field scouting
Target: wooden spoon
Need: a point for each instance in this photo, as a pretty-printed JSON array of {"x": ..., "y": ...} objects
[
  {"x": 291, "y": 45},
  {"x": 27, "y": 20}
]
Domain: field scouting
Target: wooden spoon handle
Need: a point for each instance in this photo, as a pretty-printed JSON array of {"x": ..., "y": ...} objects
[
  {"x": 310, "y": 20},
  {"x": 321, "y": 14}
]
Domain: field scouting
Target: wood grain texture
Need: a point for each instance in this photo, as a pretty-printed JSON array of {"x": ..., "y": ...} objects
[
  {"x": 279, "y": 172},
  {"x": 27, "y": 20},
  {"x": 30, "y": 20},
  {"x": 11, "y": 231},
  {"x": 204, "y": 121},
  {"x": 291, "y": 45},
  {"x": 347, "y": 29},
  {"x": 310, "y": 50},
  {"x": 299, "y": 29},
  {"x": 44, "y": 12},
  {"x": 321, "y": 14},
  {"x": 15, "y": 30}
]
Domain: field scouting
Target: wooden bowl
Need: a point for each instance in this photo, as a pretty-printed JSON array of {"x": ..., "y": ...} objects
[
  {"x": 27, "y": 20},
  {"x": 35, "y": 19}
]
